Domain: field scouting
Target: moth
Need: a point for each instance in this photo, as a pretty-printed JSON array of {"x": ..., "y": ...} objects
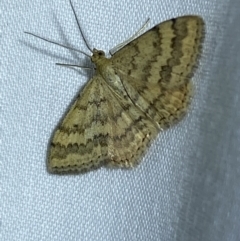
[{"x": 142, "y": 89}]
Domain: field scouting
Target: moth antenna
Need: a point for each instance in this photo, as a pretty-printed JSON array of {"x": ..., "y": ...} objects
[
  {"x": 84, "y": 39},
  {"x": 73, "y": 65},
  {"x": 61, "y": 45},
  {"x": 135, "y": 35}
]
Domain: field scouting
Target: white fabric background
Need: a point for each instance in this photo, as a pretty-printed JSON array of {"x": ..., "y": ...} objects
[{"x": 187, "y": 186}]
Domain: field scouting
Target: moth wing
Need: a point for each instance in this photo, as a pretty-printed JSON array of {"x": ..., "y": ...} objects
[
  {"x": 158, "y": 66},
  {"x": 100, "y": 128}
]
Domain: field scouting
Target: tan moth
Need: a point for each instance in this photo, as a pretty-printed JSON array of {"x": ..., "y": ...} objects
[{"x": 142, "y": 89}]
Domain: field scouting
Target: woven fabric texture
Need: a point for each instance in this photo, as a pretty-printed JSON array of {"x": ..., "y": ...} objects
[{"x": 187, "y": 186}]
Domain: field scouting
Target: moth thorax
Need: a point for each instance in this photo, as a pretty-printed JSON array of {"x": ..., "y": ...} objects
[{"x": 97, "y": 56}]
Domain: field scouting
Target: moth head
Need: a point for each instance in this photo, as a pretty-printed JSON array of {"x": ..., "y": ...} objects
[{"x": 97, "y": 55}]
